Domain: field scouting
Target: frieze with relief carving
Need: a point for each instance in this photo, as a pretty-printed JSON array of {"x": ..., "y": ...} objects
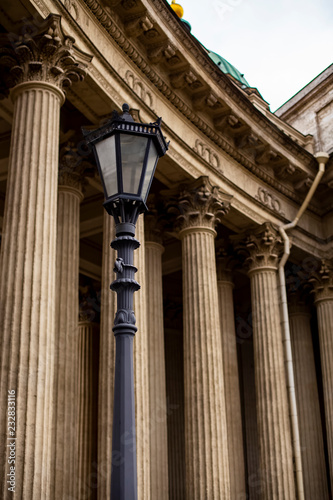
[
  {"x": 269, "y": 201},
  {"x": 139, "y": 88},
  {"x": 72, "y": 8},
  {"x": 137, "y": 57},
  {"x": 104, "y": 84},
  {"x": 206, "y": 153}
]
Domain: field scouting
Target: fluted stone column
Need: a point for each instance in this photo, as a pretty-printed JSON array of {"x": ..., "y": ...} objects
[
  {"x": 231, "y": 379},
  {"x": 86, "y": 411},
  {"x": 64, "y": 414},
  {"x": 176, "y": 421},
  {"x": 311, "y": 434},
  {"x": 37, "y": 68},
  {"x": 141, "y": 363},
  {"x": 207, "y": 470},
  {"x": 276, "y": 459},
  {"x": 323, "y": 289},
  {"x": 106, "y": 362},
  {"x": 159, "y": 485},
  {"x": 254, "y": 481}
]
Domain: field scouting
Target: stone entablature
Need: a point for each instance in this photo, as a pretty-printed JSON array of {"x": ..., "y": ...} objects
[
  {"x": 229, "y": 118},
  {"x": 228, "y": 147}
]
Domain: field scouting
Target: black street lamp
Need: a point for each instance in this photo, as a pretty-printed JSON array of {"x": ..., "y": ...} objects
[{"x": 126, "y": 153}]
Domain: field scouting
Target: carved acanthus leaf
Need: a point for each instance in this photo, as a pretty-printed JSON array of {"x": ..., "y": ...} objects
[
  {"x": 261, "y": 247},
  {"x": 198, "y": 204},
  {"x": 322, "y": 281},
  {"x": 47, "y": 56},
  {"x": 73, "y": 167},
  {"x": 225, "y": 260}
]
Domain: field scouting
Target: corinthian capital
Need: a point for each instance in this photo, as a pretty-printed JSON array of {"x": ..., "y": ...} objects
[
  {"x": 153, "y": 221},
  {"x": 260, "y": 246},
  {"x": 47, "y": 56},
  {"x": 73, "y": 168},
  {"x": 225, "y": 261},
  {"x": 322, "y": 281},
  {"x": 199, "y": 204}
]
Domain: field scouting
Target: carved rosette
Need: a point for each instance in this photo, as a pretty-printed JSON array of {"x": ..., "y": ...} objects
[
  {"x": 49, "y": 56},
  {"x": 199, "y": 204},
  {"x": 322, "y": 281},
  {"x": 261, "y": 247}
]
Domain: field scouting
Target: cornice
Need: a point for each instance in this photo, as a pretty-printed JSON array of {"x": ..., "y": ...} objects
[
  {"x": 222, "y": 80},
  {"x": 101, "y": 17},
  {"x": 139, "y": 59},
  {"x": 304, "y": 100}
]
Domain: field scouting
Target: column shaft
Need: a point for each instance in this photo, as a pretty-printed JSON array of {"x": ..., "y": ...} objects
[
  {"x": 28, "y": 265},
  {"x": 251, "y": 428},
  {"x": 325, "y": 322},
  {"x": 272, "y": 404},
  {"x": 157, "y": 389},
  {"x": 206, "y": 447},
  {"x": 86, "y": 412},
  {"x": 176, "y": 421},
  {"x": 232, "y": 391},
  {"x": 311, "y": 436},
  {"x": 141, "y": 361},
  {"x": 106, "y": 362},
  {"x": 65, "y": 342}
]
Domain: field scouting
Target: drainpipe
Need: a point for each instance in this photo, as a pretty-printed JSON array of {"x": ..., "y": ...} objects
[{"x": 322, "y": 159}]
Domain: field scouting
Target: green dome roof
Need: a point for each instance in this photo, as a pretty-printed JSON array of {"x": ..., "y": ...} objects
[
  {"x": 187, "y": 24},
  {"x": 227, "y": 68}
]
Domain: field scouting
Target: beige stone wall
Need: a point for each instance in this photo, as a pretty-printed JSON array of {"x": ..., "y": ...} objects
[{"x": 311, "y": 110}]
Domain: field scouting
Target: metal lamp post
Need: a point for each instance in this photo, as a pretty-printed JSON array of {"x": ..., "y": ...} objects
[{"x": 126, "y": 153}]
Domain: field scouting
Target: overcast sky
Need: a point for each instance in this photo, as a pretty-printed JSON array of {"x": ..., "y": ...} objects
[{"x": 280, "y": 45}]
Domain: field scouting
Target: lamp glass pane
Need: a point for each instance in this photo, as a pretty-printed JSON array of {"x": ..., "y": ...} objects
[
  {"x": 106, "y": 151},
  {"x": 133, "y": 150},
  {"x": 152, "y": 159}
]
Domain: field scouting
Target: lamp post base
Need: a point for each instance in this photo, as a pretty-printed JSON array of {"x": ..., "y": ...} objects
[{"x": 124, "y": 473}]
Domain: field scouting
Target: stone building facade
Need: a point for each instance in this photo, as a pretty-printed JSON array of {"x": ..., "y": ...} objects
[{"x": 213, "y": 398}]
